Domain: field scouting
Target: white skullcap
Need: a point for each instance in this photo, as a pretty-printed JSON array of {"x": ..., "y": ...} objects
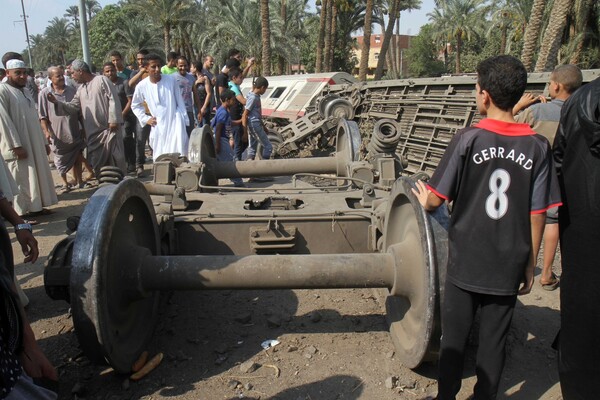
[{"x": 14, "y": 64}]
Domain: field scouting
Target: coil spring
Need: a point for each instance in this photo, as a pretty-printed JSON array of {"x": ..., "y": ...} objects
[{"x": 385, "y": 138}]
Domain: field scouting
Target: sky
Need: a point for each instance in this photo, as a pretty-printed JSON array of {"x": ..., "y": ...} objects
[{"x": 39, "y": 12}]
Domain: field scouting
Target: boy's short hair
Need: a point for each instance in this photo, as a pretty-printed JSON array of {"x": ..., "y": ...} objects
[
  {"x": 234, "y": 73},
  {"x": 260, "y": 81},
  {"x": 569, "y": 76},
  {"x": 172, "y": 56},
  {"x": 198, "y": 65},
  {"x": 232, "y": 63},
  {"x": 115, "y": 53},
  {"x": 184, "y": 58},
  {"x": 226, "y": 95},
  {"x": 108, "y": 64},
  {"x": 504, "y": 78},
  {"x": 152, "y": 57},
  {"x": 233, "y": 52}
]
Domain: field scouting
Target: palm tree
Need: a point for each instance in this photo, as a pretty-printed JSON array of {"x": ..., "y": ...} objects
[
  {"x": 551, "y": 42},
  {"x": 266, "y": 37},
  {"x": 459, "y": 20},
  {"x": 239, "y": 25},
  {"x": 137, "y": 35},
  {"x": 328, "y": 34},
  {"x": 289, "y": 31},
  {"x": 57, "y": 34},
  {"x": 164, "y": 13},
  {"x": 532, "y": 32},
  {"x": 389, "y": 30},
  {"x": 364, "y": 54},
  {"x": 583, "y": 9},
  {"x": 321, "y": 37},
  {"x": 73, "y": 13},
  {"x": 92, "y": 7}
]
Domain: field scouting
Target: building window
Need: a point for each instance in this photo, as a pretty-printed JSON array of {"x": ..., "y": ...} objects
[
  {"x": 377, "y": 39},
  {"x": 377, "y": 56}
]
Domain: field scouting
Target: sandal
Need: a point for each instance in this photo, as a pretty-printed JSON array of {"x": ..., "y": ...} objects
[
  {"x": 552, "y": 285},
  {"x": 43, "y": 211},
  {"x": 65, "y": 188}
]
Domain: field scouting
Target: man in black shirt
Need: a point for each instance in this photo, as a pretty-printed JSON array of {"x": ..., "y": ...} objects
[
  {"x": 223, "y": 77},
  {"x": 577, "y": 156},
  {"x": 500, "y": 176}
]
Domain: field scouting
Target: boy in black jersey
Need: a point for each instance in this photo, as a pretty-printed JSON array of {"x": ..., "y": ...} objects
[{"x": 501, "y": 179}]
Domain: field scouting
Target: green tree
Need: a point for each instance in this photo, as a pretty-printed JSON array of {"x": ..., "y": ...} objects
[
  {"x": 323, "y": 16},
  {"x": 423, "y": 54},
  {"x": 166, "y": 14},
  {"x": 92, "y": 7},
  {"x": 134, "y": 36},
  {"x": 103, "y": 31},
  {"x": 265, "y": 37},
  {"x": 72, "y": 13},
  {"x": 57, "y": 35},
  {"x": 457, "y": 21}
]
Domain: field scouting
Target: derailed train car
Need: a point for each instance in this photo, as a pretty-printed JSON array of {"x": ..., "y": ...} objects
[{"x": 419, "y": 115}]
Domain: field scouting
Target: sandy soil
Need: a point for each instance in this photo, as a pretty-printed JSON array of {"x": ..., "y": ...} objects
[{"x": 334, "y": 343}]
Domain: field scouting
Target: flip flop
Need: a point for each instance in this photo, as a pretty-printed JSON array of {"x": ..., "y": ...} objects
[
  {"x": 65, "y": 188},
  {"x": 43, "y": 211},
  {"x": 552, "y": 285}
]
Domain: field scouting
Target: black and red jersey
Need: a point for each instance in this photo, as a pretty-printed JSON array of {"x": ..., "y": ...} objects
[{"x": 497, "y": 174}]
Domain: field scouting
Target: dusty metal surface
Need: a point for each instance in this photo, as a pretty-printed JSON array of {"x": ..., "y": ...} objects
[{"x": 325, "y": 222}]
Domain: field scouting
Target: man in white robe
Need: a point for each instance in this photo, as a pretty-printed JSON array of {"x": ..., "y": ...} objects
[
  {"x": 23, "y": 145},
  {"x": 98, "y": 100},
  {"x": 165, "y": 113}
]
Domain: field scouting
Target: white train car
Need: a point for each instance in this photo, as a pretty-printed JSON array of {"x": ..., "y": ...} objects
[{"x": 288, "y": 96}]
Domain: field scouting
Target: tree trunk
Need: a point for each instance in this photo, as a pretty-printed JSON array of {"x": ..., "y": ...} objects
[
  {"x": 458, "y": 49},
  {"x": 167, "y": 38},
  {"x": 320, "y": 42},
  {"x": 386, "y": 39},
  {"x": 503, "y": 39},
  {"x": 280, "y": 59},
  {"x": 332, "y": 39},
  {"x": 398, "y": 52},
  {"x": 328, "y": 33},
  {"x": 581, "y": 26},
  {"x": 366, "y": 47},
  {"x": 266, "y": 37},
  {"x": 532, "y": 33},
  {"x": 552, "y": 36}
]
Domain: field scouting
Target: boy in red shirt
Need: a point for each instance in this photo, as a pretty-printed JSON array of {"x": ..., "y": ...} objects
[{"x": 500, "y": 177}]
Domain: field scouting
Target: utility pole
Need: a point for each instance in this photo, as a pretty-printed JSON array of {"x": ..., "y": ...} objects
[
  {"x": 85, "y": 43},
  {"x": 26, "y": 33}
]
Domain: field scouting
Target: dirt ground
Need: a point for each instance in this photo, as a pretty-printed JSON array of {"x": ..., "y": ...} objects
[{"x": 334, "y": 344}]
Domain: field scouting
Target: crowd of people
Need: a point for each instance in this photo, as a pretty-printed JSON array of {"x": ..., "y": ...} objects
[{"x": 507, "y": 185}]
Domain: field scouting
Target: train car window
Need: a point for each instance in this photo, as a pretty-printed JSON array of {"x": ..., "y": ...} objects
[
  {"x": 292, "y": 93},
  {"x": 277, "y": 92}
]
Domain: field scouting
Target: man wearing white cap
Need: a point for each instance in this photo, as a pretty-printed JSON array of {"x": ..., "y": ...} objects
[{"x": 23, "y": 145}]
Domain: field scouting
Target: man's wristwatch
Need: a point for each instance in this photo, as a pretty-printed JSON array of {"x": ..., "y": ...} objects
[{"x": 20, "y": 227}]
